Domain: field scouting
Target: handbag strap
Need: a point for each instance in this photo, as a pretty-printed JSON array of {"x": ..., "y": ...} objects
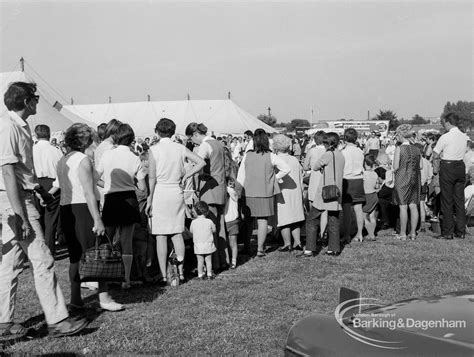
[
  {"x": 333, "y": 168},
  {"x": 97, "y": 238}
]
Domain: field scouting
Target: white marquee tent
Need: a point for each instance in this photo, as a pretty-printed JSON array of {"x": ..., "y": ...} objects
[
  {"x": 220, "y": 116},
  {"x": 57, "y": 117}
]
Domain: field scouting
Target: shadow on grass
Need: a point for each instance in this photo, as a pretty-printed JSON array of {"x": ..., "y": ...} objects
[{"x": 137, "y": 294}]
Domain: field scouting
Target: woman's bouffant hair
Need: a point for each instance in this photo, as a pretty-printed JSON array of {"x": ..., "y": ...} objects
[
  {"x": 111, "y": 128},
  {"x": 261, "y": 144},
  {"x": 124, "y": 135},
  {"x": 331, "y": 141},
  {"x": 195, "y": 127},
  {"x": 78, "y": 137},
  {"x": 165, "y": 128},
  {"x": 17, "y": 92},
  {"x": 281, "y": 143}
]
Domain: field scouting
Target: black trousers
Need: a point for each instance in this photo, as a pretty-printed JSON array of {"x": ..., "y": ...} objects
[
  {"x": 452, "y": 178},
  {"x": 313, "y": 222},
  {"x": 50, "y": 215}
]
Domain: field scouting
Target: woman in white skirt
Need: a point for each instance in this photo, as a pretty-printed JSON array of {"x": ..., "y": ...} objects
[{"x": 165, "y": 204}]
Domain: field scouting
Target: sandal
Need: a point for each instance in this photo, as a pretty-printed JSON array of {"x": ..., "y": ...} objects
[
  {"x": 400, "y": 237},
  {"x": 182, "y": 278},
  {"x": 286, "y": 248},
  {"x": 10, "y": 329},
  {"x": 412, "y": 236},
  {"x": 358, "y": 239},
  {"x": 233, "y": 266},
  {"x": 260, "y": 254}
]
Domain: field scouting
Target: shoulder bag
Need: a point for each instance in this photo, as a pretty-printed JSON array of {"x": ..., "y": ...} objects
[{"x": 331, "y": 192}]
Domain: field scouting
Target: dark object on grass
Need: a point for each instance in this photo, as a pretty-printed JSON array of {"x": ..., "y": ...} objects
[{"x": 424, "y": 326}]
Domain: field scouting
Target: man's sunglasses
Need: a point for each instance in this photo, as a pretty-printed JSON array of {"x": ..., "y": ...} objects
[{"x": 36, "y": 97}]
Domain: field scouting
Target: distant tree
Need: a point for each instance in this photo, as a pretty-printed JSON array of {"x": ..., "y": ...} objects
[
  {"x": 280, "y": 125},
  {"x": 390, "y": 116},
  {"x": 269, "y": 120},
  {"x": 418, "y": 120},
  {"x": 465, "y": 110},
  {"x": 297, "y": 123}
]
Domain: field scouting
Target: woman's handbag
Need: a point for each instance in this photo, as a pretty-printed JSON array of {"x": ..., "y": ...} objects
[
  {"x": 103, "y": 262},
  {"x": 331, "y": 192}
]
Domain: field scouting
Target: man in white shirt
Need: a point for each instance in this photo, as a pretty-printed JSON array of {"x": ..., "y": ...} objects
[
  {"x": 448, "y": 156},
  {"x": 372, "y": 146},
  {"x": 45, "y": 159},
  {"x": 22, "y": 236}
]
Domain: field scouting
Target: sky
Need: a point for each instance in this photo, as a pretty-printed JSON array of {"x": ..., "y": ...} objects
[{"x": 340, "y": 59}]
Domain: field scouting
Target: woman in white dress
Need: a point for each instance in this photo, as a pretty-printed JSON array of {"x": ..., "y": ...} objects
[
  {"x": 165, "y": 204},
  {"x": 290, "y": 211}
]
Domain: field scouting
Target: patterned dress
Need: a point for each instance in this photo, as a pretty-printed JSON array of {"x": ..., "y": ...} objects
[{"x": 407, "y": 188}]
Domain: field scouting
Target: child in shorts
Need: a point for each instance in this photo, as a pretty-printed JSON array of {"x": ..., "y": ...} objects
[
  {"x": 371, "y": 186},
  {"x": 203, "y": 229},
  {"x": 232, "y": 219}
]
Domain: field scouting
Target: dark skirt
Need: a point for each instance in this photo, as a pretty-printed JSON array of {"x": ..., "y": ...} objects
[
  {"x": 77, "y": 224},
  {"x": 260, "y": 207},
  {"x": 120, "y": 209},
  {"x": 353, "y": 191}
]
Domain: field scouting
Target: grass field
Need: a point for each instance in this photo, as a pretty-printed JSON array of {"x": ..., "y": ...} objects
[{"x": 250, "y": 310}]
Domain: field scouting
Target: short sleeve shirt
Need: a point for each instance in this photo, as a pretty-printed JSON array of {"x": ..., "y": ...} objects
[
  {"x": 16, "y": 147},
  {"x": 119, "y": 166},
  {"x": 452, "y": 145}
]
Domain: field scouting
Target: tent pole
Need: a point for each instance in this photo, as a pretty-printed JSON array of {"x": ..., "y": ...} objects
[{"x": 22, "y": 64}]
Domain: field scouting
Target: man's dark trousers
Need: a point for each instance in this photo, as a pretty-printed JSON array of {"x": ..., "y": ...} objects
[
  {"x": 50, "y": 215},
  {"x": 452, "y": 178}
]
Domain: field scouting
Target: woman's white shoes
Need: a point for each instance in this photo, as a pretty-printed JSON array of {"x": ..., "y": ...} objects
[{"x": 111, "y": 306}]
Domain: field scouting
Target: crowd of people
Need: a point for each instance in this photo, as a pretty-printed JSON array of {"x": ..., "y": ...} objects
[{"x": 217, "y": 190}]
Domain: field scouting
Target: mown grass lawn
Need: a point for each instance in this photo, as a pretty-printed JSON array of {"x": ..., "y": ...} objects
[{"x": 250, "y": 310}]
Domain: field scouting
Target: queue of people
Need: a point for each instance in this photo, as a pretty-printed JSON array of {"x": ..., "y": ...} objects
[{"x": 107, "y": 183}]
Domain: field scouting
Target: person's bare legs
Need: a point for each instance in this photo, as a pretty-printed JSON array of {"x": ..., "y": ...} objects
[
  {"x": 359, "y": 218},
  {"x": 296, "y": 233},
  {"x": 208, "y": 259},
  {"x": 370, "y": 223},
  {"x": 233, "y": 248},
  {"x": 162, "y": 253},
  {"x": 403, "y": 220},
  {"x": 200, "y": 265},
  {"x": 179, "y": 248},
  {"x": 423, "y": 216},
  {"x": 262, "y": 224},
  {"x": 414, "y": 219},
  {"x": 286, "y": 235}
]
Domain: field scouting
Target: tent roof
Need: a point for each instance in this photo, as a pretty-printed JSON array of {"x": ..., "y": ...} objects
[
  {"x": 220, "y": 116},
  {"x": 45, "y": 112}
]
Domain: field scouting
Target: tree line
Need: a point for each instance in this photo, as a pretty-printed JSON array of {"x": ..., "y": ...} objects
[{"x": 464, "y": 109}]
